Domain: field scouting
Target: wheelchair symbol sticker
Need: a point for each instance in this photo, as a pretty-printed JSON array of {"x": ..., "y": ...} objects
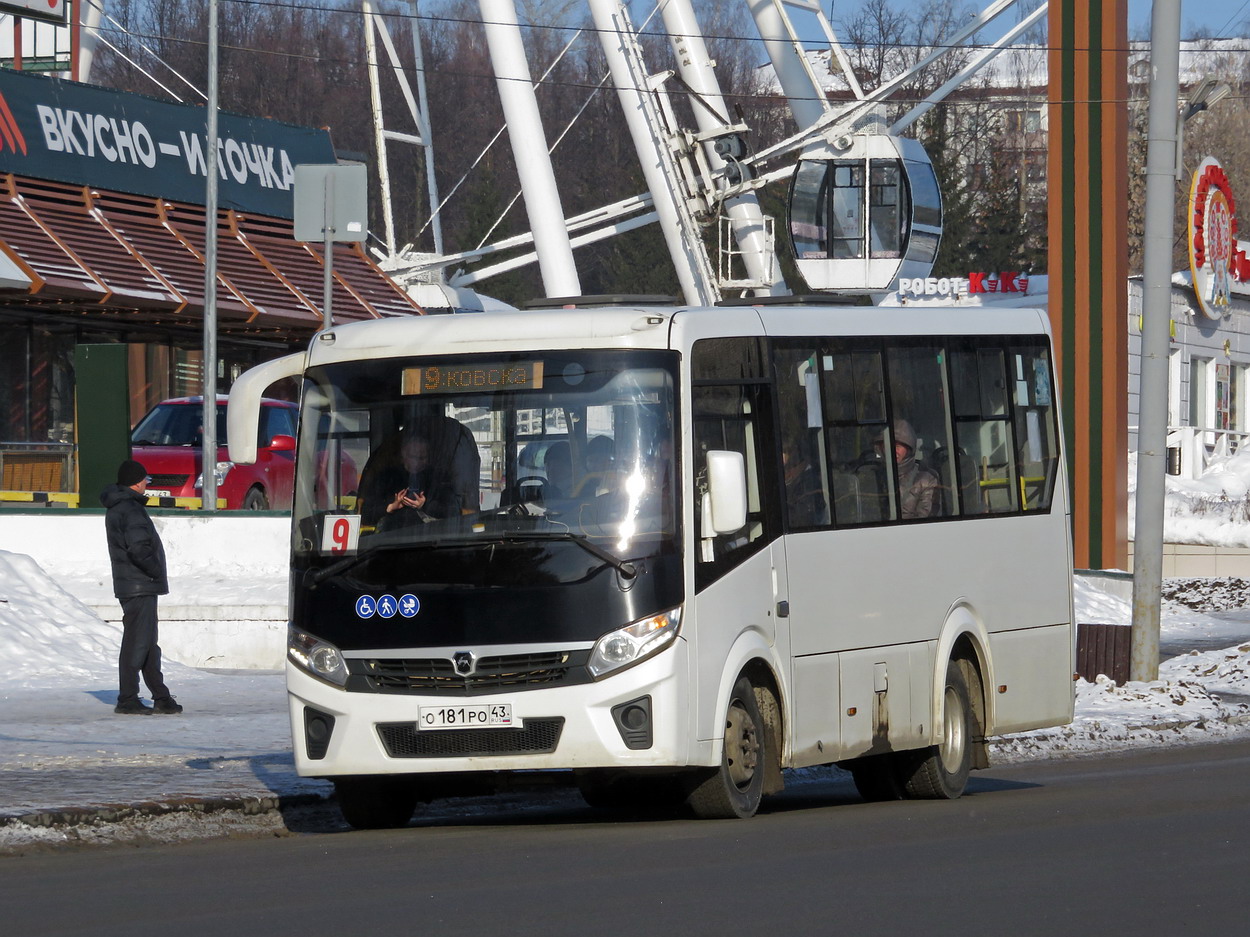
[{"x": 365, "y": 607}]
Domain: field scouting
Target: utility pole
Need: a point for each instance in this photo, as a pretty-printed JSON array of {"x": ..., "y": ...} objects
[
  {"x": 208, "y": 437},
  {"x": 1152, "y": 424}
]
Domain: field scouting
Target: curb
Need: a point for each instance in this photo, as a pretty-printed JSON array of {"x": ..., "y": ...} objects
[{"x": 244, "y": 805}]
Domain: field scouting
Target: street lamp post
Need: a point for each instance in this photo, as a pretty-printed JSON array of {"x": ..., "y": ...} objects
[{"x": 1163, "y": 161}]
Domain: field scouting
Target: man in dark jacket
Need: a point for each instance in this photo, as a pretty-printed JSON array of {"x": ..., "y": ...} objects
[{"x": 139, "y": 576}]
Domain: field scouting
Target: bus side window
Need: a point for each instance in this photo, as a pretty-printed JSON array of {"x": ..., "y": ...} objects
[
  {"x": 927, "y": 476},
  {"x": 852, "y": 375},
  {"x": 1036, "y": 436},
  {"x": 807, "y": 493},
  {"x": 983, "y": 428},
  {"x": 725, "y": 417}
]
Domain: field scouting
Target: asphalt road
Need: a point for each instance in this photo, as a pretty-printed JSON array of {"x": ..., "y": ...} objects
[{"x": 1149, "y": 843}]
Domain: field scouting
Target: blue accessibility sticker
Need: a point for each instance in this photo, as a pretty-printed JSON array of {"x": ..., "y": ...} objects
[
  {"x": 409, "y": 605},
  {"x": 365, "y": 606},
  {"x": 387, "y": 606}
]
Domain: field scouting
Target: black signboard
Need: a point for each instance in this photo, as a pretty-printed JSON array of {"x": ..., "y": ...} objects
[{"x": 71, "y": 132}]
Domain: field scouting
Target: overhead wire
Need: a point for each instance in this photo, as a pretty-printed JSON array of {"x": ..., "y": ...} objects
[
  {"x": 546, "y": 79},
  {"x": 742, "y": 96}
]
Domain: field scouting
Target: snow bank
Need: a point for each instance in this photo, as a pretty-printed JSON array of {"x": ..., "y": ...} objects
[
  {"x": 47, "y": 636},
  {"x": 227, "y": 601},
  {"x": 1213, "y": 510},
  {"x": 1183, "y": 706},
  {"x": 233, "y": 559}
]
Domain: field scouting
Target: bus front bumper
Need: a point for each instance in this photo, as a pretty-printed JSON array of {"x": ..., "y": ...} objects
[{"x": 638, "y": 717}]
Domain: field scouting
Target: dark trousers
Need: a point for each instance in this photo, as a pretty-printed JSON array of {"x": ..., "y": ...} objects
[{"x": 140, "y": 653}]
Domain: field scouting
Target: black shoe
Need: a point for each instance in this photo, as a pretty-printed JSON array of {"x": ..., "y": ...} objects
[
  {"x": 166, "y": 706},
  {"x": 133, "y": 707}
]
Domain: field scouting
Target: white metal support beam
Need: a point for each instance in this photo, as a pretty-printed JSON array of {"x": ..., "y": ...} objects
[
  {"x": 655, "y": 153},
  {"x": 418, "y": 108},
  {"x": 694, "y": 64},
  {"x": 529, "y": 148}
]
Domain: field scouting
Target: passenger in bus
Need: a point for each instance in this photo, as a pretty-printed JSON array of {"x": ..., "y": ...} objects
[
  {"x": 600, "y": 454},
  {"x": 558, "y": 463},
  {"x": 434, "y": 477},
  {"x": 917, "y": 485},
  {"x": 600, "y": 477},
  {"x": 413, "y": 484}
]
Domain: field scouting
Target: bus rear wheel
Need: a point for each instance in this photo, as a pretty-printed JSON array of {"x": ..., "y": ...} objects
[
  {"x": 735, "y": 789},
  {"x": 376, "y": 803},
  {"x": 941, "y": 772}
]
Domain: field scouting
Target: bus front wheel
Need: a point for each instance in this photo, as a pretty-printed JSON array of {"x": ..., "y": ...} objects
[
  {"x": 735, "y": 789},
  {"x": 941, "y": 773},
  {"x": 376, "y": 803}
]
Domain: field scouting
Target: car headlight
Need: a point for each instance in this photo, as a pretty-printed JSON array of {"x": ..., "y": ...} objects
[
  {"x": 220, "y": 473},
  {"x": 633, "y": 643},
  {"x": 319, "y": 658}
]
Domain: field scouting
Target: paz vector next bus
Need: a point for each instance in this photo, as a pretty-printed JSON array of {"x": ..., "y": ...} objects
[{"x": 672, "y": 550}]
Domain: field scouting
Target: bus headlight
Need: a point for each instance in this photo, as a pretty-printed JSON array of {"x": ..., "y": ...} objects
[
  {"x": 316, "y": 657},
  {"x": 633, "y": 643}
]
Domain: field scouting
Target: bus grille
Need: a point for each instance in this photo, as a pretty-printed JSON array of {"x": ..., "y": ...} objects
[
  {"x": 437, "y": 675},
  {"x": 536, "y": 737}
]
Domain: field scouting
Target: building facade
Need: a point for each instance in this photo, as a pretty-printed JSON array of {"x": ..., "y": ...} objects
[{"x": 103, "y": 240}]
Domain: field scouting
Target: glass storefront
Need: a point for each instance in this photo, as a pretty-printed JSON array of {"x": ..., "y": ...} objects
[{"x": 37, "y": 380}]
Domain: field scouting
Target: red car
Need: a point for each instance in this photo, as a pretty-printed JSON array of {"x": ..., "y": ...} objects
[{"x": 167, "y": 442}]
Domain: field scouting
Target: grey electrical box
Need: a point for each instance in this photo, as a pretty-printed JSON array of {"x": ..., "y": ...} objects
[{"x": 331, "y": 198}]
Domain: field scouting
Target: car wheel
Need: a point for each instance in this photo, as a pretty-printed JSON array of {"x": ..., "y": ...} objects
[{"x": 256, "y": 501}]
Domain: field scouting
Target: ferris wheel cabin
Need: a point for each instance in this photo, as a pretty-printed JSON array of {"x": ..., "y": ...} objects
[{"x": 864, "y": 211}]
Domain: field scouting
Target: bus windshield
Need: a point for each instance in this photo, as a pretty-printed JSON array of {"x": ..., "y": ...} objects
[{"x": 565, "y": 460}]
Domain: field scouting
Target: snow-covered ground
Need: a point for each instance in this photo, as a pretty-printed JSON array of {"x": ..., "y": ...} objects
[{"x": 62, "y": 746}]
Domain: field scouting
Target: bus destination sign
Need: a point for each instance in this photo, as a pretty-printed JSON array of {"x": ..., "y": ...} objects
[{"x": 469, "y": 378}]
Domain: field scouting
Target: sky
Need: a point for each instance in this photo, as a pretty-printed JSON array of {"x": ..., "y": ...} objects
[{"x": 1216, "y": 17}]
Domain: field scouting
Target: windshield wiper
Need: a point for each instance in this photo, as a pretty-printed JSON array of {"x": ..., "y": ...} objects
[
  {"x": 319, "y": 576},
  {"x": 624, "y": 567}
]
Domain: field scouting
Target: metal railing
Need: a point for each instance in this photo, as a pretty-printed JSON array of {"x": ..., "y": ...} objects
[{"x": 1198, "y": 447}]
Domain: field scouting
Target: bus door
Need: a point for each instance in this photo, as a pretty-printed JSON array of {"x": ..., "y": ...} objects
[
  {"x": 739, "y": 576},
  {"x": 811, "y": 598}
]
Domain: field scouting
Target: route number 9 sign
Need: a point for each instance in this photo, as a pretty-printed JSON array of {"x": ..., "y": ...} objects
[{"x": 340, "y": 534}]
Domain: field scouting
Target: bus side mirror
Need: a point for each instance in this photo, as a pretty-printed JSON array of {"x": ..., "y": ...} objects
[
  {"x": 725, "y": 507},
  {"x": 243, "y": 410}
]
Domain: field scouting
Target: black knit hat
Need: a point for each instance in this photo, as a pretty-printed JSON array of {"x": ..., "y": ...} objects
[{"x": 130, "y": 473}]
